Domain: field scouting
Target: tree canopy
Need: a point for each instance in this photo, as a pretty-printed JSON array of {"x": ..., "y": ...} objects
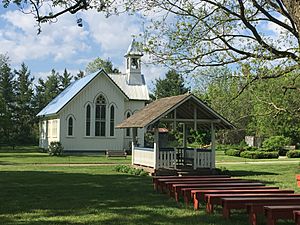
[
  {"x": 173, "y": 84},
  {"x": 98, "y": 64}
]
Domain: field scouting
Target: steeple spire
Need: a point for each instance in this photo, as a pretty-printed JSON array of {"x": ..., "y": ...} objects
[{"x": 133, "y": 64}]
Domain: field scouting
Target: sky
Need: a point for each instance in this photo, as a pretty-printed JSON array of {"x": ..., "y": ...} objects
[{"x": 64, "y": 44}]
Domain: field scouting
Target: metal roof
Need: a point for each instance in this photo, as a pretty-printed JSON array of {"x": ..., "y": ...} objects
[
  {"x": 184, "y": 104},
  {"x": 132, "y": 92},
  {"x": 134, "y": 49}
]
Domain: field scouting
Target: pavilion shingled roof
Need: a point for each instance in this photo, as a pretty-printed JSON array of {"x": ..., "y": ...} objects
[{"x": 161, "y": 107}]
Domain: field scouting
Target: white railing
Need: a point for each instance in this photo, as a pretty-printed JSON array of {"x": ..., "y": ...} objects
[
  {"x": 167, "y": 158},
  {"x": 143, "y": 156},
  {"x": 202, "y": 158}
]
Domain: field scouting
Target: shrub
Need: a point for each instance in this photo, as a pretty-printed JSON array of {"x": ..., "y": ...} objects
[
  {"x": 55, "y": 148},
  {"x": 259, "y": 155},
  {"x": 130, "y": 170},
  {"x": 277, "y": 143},
  {"x": 293, "y": 154},
  {"x": 233, "y": 152}
]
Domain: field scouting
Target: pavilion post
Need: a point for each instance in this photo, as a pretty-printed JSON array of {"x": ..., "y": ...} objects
[
  {"x": 213, "y": 147},
  {"x": 156, "y": 147},
  {"x": 134, "y": 143}
]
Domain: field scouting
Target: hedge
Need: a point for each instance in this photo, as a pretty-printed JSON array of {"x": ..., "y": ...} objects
[
  {"x": 233, "y": 152},
  {"x": 293, "y": 154},
  {"x": 259, "y": 155}
]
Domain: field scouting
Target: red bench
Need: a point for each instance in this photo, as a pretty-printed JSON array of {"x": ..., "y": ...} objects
[
  {"x": 176, "y": 188},
  {"x": 273, "y": 213},
  {"x": 215, "y": 199},
  {"x": 298, "y": 179},
  {"x": 198, "y": 195},
  {"x": 254, "y": 209},
  {"x": 155, "y": 178},
  {"x": 297, "y": 217},
  {"x": 166, "y": 184},
  {"x": 241, "y": 203}
]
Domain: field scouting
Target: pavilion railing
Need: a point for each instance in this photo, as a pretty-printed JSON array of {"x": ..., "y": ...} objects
[
  {"x": 171, "y": 158},
  {"x": 167, "y": 158}
]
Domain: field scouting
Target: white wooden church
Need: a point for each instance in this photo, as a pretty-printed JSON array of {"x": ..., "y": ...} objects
[{"x": 84, "y": 116}]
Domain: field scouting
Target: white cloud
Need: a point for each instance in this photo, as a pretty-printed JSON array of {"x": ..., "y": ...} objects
[
  {"x": 57, "y": 41},
  {"x": 114, "y": 33}
]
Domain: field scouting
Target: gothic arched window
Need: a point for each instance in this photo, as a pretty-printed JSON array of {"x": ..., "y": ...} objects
[
  {"x": 70, "y": 126},
  {"x": 88, "y": 121},
  {"x": 128, "y": 130},
  {"x": 112, "y": 121},
  {"x": 100, "y": 116}
]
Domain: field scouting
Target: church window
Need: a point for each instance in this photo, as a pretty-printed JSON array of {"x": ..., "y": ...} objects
[
  {"x": 112, "y": 121},
  {"x": 128, "y": 130},
  {"x": 134, "y": 63},
  {"x": 100, "y": 116},
  {"x": 88, "y": 121},
  {"x": 70, "y": 126}
]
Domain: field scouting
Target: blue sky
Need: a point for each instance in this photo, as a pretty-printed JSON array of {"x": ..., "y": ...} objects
[{"x": 65, "y": 45}]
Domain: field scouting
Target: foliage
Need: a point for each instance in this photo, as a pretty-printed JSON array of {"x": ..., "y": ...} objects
[
  {"x": 233, "y": 152},
  {"x": 173, "y": 84},
  {"x": 259, "y": 155},
  {"x": 98, "y": 64},
  {"x": 276, "y": 142},
  {"x": 293, "y": 154},
  {"x": 25, "y": 116},
  {"x": 55, "y": 148},
  {"x": 7, "y": 103},
  {"x": 130, "y": 170}
]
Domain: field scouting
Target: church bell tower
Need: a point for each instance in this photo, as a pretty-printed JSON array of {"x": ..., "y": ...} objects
[{"x": 133, "y": 64}]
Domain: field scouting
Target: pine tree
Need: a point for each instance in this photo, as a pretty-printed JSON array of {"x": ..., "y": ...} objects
[
  {"x": 65, "y": 80},
  {"x": 79, "y": 75},
  {"x": 172, "y": 85},
  {"x": 7, "y": 101},
  {"x": 24, "y": 113},
  {"x": 52, "y": 86}
]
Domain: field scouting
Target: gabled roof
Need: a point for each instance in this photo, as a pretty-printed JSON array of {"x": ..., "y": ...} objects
[
  {"x": 131, "y": 92},
  {"x": 134, "y": 49},
  {"x": 184, "y": 105}
]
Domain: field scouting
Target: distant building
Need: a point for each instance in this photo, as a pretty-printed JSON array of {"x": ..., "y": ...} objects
[{"x": 83, "y": 117}]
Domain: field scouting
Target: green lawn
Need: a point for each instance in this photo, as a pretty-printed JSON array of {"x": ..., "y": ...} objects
[{"x": 34, "y": 192}]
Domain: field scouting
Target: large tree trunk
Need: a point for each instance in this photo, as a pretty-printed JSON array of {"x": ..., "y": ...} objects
[{"x": 293, "y": 7}]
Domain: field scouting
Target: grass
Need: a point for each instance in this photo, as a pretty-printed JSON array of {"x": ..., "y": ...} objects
[{"x": 34, "y": 193}]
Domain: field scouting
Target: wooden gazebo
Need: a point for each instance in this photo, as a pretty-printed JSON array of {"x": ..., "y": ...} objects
[{"x": 186, "y": 109}]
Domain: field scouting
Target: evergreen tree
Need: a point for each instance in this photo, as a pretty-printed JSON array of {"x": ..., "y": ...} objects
[
  {"x": 65, "y": 80},
  {"x": 24, "y": 113},
  {"x": 7, "y": 100},
  {"x": 52, "y": 86},
  {"x": 98, "y": 64},
  {"x": 79, "y": 75},
  {"x": 39, "y": 99},
  {"x": 172, "y": 85}
]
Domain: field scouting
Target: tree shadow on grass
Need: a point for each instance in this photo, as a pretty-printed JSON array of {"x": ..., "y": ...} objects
[{"x": 48, "y": 198}]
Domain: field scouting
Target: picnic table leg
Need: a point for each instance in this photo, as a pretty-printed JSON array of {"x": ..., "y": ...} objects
[
  {"x": 196, "y": 202},
  {"x": 209, "y": 207},
  {"x": 253, "y": 218},
  {"x": 176, "y": 195},
  {"x": 186, "y": 198},
  {"x": 270, "y": 219},
  {"x": 226, "y": 212}
]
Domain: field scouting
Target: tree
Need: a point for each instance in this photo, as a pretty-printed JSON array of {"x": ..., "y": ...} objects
[
  {"x": 7, "y": 94},
  {"x": 98, "y": 64},
  {"x": 52, "y": 86},
  {"x": 65, "y": 80},
  {"x": 24, "y": 114},
  {"x": 172, "y": 85},
  {"x": 79, "y": 75}
]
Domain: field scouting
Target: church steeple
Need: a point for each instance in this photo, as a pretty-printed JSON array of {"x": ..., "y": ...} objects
[{"x": 133, "y": 64}]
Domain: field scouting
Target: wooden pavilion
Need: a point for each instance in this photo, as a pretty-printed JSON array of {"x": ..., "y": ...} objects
[{"x": 186, "y": 109}]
